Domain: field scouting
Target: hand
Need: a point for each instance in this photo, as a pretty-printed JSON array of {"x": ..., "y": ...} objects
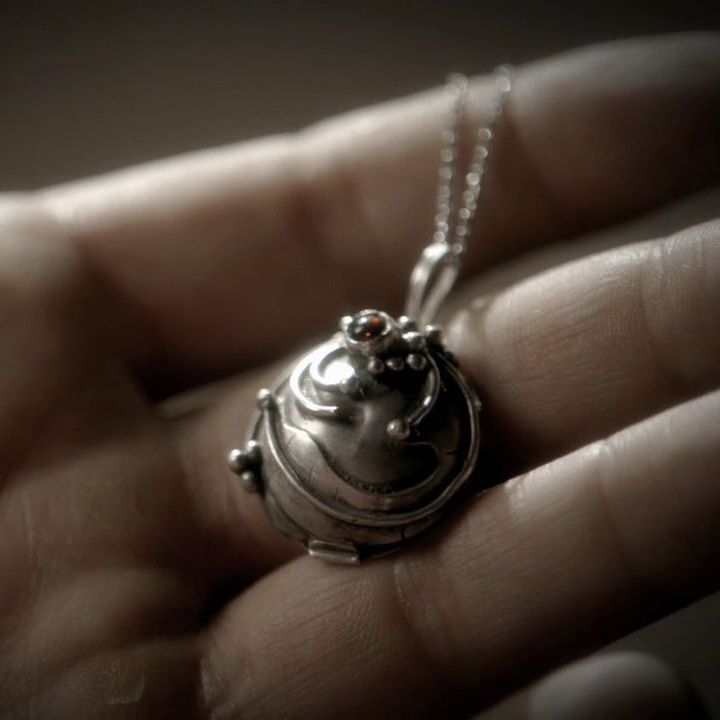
[{"x": 139, "y": 581}]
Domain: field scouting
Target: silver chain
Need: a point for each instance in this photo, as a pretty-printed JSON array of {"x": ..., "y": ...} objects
[
  {"x": 446, "y": 193},
  {"x": 439, "y": 265}
]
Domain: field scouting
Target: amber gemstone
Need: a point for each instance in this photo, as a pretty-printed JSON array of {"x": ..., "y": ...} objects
[{"x": 367, "y": 327}]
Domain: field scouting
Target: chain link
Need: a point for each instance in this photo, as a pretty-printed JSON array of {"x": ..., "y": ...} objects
[
  {"x": 438, "y": 266},
  {"x": 454, "y": 228}
]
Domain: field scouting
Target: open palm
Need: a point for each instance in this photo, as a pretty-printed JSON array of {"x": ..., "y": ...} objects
[{"x": 138, "y": 580}]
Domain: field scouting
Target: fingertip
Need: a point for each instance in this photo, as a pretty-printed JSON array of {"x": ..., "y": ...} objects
[{"x": 624, "y": 685}]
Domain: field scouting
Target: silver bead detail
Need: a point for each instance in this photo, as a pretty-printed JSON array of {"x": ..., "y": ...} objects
[
  {"x": 375, "y": 366},
  {"x": 238, "y": 461},
  {"x": 415, "y": 341},
  {"x": 416, "y": 361},
  {"x": 249, "y": 482},
  {"x": 406, "y": 324},
  {"x": 254, "y": 452},
  {"x": 398, "y": 429},
  {"x": 248, "y": 460},
  {"x": 395, "y": 363},
  {"x": 345, "y": 321},
  {"x": 265, "y": 399}
]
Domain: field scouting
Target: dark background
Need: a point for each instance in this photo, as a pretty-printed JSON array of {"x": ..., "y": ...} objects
[{"x": 89, "y": 87}]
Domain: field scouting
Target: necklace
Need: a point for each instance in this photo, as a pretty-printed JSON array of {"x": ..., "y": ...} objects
[{"x": 370, "y": 438}]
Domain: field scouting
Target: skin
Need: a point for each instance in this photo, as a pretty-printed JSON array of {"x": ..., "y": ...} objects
[
  {"x": 621, "y": 686},
  {"x": 141, "y": 311}
]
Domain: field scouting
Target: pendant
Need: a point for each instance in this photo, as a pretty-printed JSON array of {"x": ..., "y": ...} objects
[
  {"x": 369, "y": 438},
  {"x": 372, "y": 436}
]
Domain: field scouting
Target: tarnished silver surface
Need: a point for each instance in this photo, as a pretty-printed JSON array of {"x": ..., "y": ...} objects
[
  {"x": 356, "y": 457},
  {"x": 369, "y": 438}
]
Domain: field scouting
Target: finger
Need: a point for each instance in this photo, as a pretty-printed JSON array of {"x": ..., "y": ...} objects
[
  {"x": 582, "y": 350},
  {"x": 621, "y": 686},
  {"x": 246, "y": 543},
  {"x": 540, "y": 569},
  {"x": 560, "y": 360},
  {"x": 232, "y": 255}
]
